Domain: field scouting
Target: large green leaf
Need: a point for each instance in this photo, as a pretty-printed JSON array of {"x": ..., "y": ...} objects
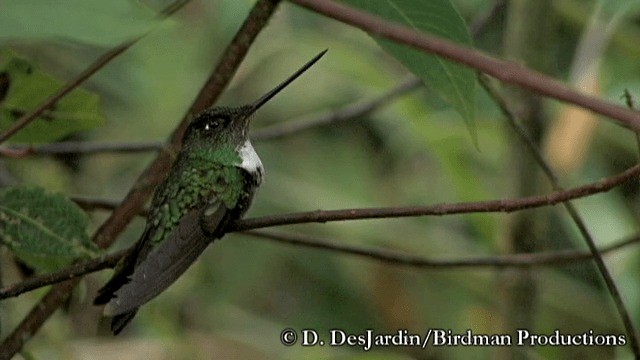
[
  {"x": 27, "y": 88},
  {"x": 454, "y": 83},
  {"x": 95, "y": 22},
  {"x": 45, "y": 230}
]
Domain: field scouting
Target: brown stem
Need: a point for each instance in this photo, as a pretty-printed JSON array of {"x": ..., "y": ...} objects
[
  {"x": 73, "y": 271},
  {"x": 80, "y": 147},
  {"x": 506, "y": 205},
  {"x": 551, "y": 258},
  {"x": 506, "y": 71}
]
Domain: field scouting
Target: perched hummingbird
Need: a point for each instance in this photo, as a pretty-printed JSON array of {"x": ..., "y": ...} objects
[{"x": 211, "y": 184}]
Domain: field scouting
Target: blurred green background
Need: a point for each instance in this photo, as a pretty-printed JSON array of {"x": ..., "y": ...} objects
[{"x": 243, "y": 291}]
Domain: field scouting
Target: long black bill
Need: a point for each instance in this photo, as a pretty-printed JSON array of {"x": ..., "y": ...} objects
[{"x": 266, "y": 97}]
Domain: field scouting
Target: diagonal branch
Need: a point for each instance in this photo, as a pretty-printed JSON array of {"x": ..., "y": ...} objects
[
  {"x": 103, "y": 60},
  {"x": 506, "y": 71},
  {"x": 73, "y": 271},
  {"x": 141, "y": 190}
]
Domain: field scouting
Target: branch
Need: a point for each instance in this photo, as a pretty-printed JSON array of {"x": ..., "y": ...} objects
[
  {"x": 349, "y": 112},
  {"x": 80, "y": 147},
  {"x": 82, "y": 77},
  {"x": 507, "y": 205},
  {"x": 153, "y": 175},
  {"x": 506, "y": 71},
  {"x": 89, "y": 203},
  {"x": 74, "y": 271},
  {"x": 551, "y": 258},
  {"x": 512, "y": 119},
  {"x": 403, "y": 259}
]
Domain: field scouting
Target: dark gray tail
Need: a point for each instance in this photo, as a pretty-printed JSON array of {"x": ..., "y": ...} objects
[{"x": 118, "y": 322}]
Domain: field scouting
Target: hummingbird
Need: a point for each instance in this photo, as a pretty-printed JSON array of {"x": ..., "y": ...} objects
[{"x": 211, "y": 184}]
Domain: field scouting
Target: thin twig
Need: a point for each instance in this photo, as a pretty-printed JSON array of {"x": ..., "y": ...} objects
[
  {"x": 80, "y": 147},
  {"x": 73, "y": 271},
  {"x": 153, "y": 175},
  {"x": 573, "y": 213},
  {"x": 103, "y": 60},
  {"x": 506, "y": 205},
  {"x": 348, "y": 112},
  {"x": 506, "y": 71},
  {"x": 552, "y": 258},
  {"x": 89, "y": 203},
  {"x": 487, "y": 206}
]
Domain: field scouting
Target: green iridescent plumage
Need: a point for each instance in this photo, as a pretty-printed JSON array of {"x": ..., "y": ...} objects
[{"x": 205, "y": 175}]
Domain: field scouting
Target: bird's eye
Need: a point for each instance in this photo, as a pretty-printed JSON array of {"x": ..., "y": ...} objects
[{"x": 212, "y": 125}]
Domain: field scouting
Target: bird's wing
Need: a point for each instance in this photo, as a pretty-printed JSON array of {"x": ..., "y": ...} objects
[
  {"x": 124, "y": 269},
  {"x": 168, "y": 260}
]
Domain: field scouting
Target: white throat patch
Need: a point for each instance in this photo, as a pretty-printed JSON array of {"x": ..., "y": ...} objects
[{"x": 250, "y": 160}]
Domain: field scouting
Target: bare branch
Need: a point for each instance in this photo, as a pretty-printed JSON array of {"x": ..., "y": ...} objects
[
  {"x": 80, "y": 147},
  {"x": 500, "y": 205},
  {"x": 74, "y": 271},
  {"x": 507, "y": 205},
  {"x": 89, "y": 203},
  {"x": 103, "y": 60},
  {"x": 552, "y": 258},
  {"x": 506, "y": 71},
  {"x": 153, "y": 175},
  {"x": 561, "y": 257}
]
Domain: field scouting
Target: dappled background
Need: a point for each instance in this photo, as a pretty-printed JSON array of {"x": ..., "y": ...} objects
[{"x": 417, "y": 150}]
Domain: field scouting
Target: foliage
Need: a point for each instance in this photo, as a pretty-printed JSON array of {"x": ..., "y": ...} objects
[
  {"x": 237, "y": 298},
  {"x": 45, "y": 230},
  {"x": 454, "y": 82},
  {"x": 26, "y": 87}
]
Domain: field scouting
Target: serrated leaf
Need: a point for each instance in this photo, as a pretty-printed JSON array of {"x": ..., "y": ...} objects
[
  {"x": 456, "y": 84},
  {"x": 45, "y": 230},
  {"x": 95, "y": 22},
  {"x": 27, "y": 88}
]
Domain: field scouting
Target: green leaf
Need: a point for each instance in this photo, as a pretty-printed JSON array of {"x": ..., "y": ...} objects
[
  {"x": 28, "y": 87},
  {"x": 45, "y": 230},
  {"x": 454, "y": 83},
  {"x": 96, "y": 22}
]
